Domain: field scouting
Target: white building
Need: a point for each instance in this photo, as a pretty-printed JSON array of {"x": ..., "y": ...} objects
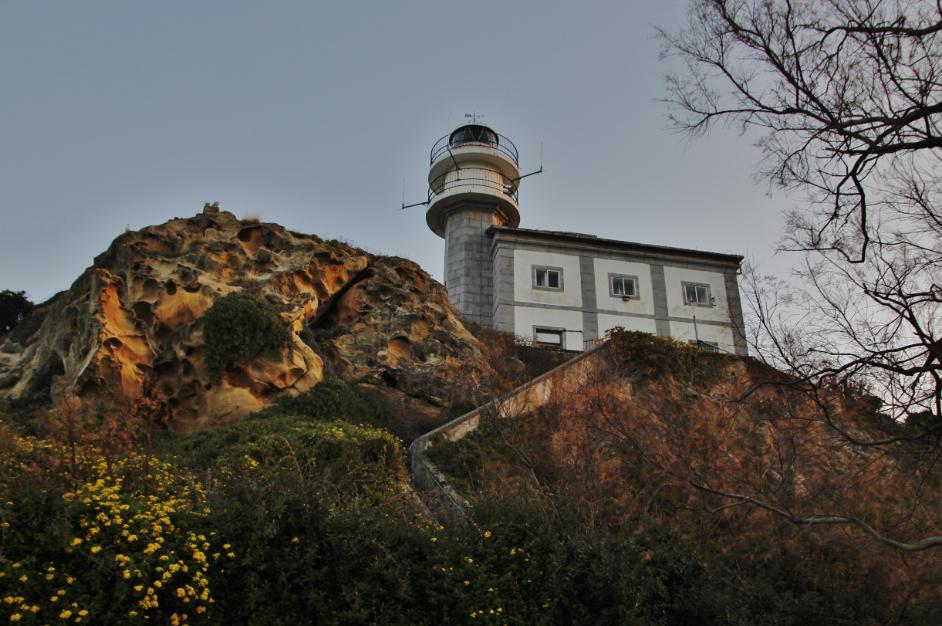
[{"x": 558, "y": 288}]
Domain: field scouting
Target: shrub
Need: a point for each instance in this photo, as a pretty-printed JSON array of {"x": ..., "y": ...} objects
[
  {"x": 239, "y": 327},
  {"x": 329, "y": 400},
  {"x": 653, "y": 357},
  {"x": 339, "y": 456},
  {"x": 102, "y": 540},
  {"x": 14, "y": 308}
]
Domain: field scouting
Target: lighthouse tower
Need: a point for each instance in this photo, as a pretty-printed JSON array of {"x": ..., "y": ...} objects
[{"x": 473, "y": 178}]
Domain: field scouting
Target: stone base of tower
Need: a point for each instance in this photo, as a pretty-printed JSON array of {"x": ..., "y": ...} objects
[{"x": 468, "y": 265}]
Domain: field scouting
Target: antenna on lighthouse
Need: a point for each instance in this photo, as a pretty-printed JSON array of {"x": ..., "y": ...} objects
[
  {"x": 409, "y": 206},
  {"x": 533, "y": 173}
]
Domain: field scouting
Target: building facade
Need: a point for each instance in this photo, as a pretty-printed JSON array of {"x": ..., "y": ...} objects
[{"x": 565, "y": 289}]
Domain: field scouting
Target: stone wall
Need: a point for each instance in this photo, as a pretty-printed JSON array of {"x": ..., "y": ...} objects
[
  {"x": 443, "y": 499},
  {"x": 468, "y": 269}
]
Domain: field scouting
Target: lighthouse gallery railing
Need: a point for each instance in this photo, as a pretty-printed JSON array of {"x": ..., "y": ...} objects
[
  {"x": 502, "y": 145},
  {"x": 472, "y": 177}
]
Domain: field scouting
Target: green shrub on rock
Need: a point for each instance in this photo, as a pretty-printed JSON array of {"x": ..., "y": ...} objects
[{"x": 239, "y": 327}]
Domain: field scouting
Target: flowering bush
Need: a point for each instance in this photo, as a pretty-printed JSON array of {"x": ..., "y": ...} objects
[{"x": 109, "y": 540}]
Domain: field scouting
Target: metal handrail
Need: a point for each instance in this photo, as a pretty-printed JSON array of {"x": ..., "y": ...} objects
[
  {"x": 503, "y": 145},
  {"x": 471, "y": 177}
]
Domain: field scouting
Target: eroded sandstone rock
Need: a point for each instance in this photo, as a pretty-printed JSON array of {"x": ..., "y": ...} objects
[{"x": 130, "y": 326}]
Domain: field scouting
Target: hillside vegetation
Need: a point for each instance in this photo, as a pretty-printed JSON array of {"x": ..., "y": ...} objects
[
  {"x": 303, "y": 514},
  {"x": 300, "y": 514},
  {"x": 724, "y": 455},
  {"x": 211, "y": 427}
]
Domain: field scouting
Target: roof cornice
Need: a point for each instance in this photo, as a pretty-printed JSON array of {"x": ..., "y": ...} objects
[{"x": 590, "y": 242}]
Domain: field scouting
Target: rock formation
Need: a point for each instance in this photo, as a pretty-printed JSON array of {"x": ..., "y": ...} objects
[{"x": 129, "y": 328}]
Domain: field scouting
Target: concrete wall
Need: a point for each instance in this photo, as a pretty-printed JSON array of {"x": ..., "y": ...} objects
[
  {"x": 643, "y": 304},
  {"x": 607, "y": 322},
  {"x": 721, "y": 335},
  {"x": 675, "y": 277},
  {"x": 568, "y": 320},
  {"x": 502, "y": 260},
  {"x": 524, "y": 291}
]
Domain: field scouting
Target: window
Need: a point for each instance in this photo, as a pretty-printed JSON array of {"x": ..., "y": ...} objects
[
  {"x": 552, "y": 337},
  {"x": 548, "y": 278},
  {"x": 707, "y": 346},
  {"x": 624, "y": 287},
  {"x": 697, "y": 293}
]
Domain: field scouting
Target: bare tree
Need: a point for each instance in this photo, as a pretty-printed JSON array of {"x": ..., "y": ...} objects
[{"x": 846, "y": 96}]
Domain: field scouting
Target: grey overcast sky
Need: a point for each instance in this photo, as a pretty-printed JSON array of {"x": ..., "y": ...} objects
[{"x": 311, "y": 114}]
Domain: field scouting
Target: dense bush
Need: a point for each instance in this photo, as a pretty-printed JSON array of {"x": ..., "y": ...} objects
[
  {"x": 335, "y": 453},
  {"x": 652, "y": 357},
  {"x": 239, "y": 327},
  {"x": 330, "y": 399},
  {"x": 100, "y": 540},
  {"x": 14, "y": 308}
]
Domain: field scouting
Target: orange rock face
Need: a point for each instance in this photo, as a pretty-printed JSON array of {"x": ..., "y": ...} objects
[{"x": 130, "y": 326}]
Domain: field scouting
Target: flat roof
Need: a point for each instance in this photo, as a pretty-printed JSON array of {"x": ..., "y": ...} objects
[{"x": 628, "y": 246}]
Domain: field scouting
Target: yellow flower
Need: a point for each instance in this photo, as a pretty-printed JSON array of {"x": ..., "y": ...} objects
[
  {"x": 66, "y": 614},
  {"x": 15, "y": 617},
  {"x": 95, "y": 549},
  {"x": 295, "y": 540},
  {"x": 76, "y": 541},
  {"x": 487, "y": 534},
  {"x": 83, "y": 612}
]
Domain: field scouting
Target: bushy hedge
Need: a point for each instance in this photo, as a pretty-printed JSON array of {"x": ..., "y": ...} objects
[
  {"x": 344, "y": 456},
  {"x": 330, "y": 400},
  {"x": 98, "y": 540},
  {"x": 652, "y": 357},
  {"x": 239, "y": 327}
]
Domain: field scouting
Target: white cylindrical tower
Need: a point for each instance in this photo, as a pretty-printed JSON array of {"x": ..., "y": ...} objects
[{"x": 473, "y": 178}]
